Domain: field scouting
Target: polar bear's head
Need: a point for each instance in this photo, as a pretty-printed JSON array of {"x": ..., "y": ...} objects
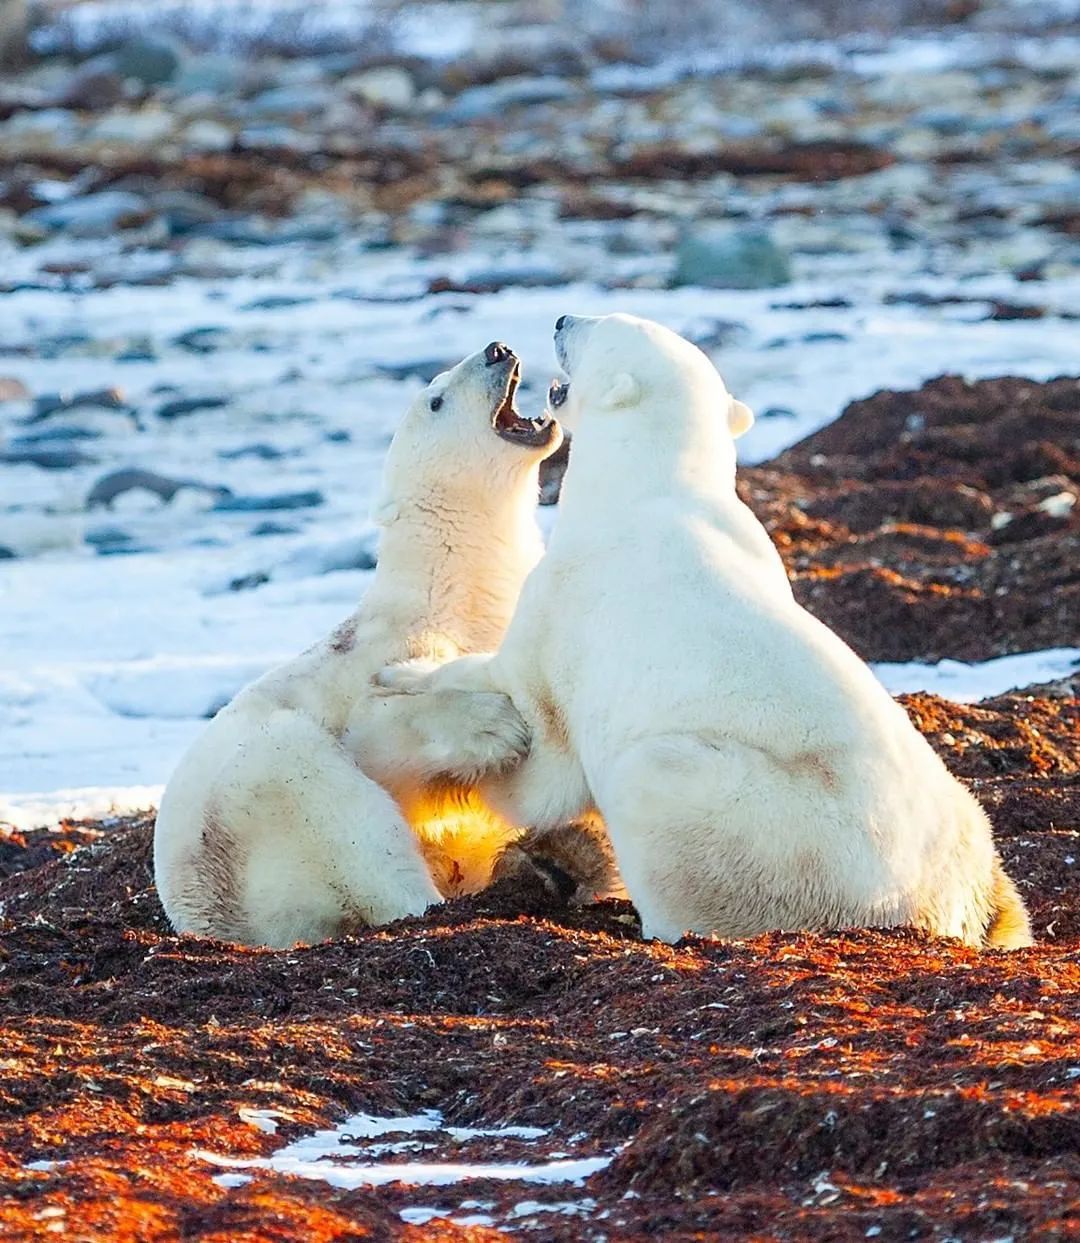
[
  {"x": 464, "y": 430},
  {"x": 620, "y": 362}
]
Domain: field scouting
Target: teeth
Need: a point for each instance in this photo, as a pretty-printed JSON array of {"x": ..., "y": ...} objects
[{"x": 558, "y": 393}]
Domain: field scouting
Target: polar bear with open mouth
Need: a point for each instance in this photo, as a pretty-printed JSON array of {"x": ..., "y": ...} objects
[
  {"x": 314, "y": 803},
  {"x": 752, "y": 772}
]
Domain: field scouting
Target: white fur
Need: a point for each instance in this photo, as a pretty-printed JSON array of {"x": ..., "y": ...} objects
[
  {"x": 752, "y": 772},
  {"x": 314, "y": 802}
]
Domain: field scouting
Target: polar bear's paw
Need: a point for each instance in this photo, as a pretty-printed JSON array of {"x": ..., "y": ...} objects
[{"x": 473, "y": 734}]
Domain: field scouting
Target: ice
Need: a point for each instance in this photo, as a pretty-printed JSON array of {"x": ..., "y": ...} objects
[{"x": 967, "y": 683}]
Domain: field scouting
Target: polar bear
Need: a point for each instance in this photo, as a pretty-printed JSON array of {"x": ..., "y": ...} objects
[
  {"x": 313, "y": 802},
  {"x": 752, "y": 772}
]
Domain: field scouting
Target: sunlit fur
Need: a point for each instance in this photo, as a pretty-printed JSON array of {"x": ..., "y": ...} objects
[
  {"x": 314, "y": 803},
  {"x": 751, "y": 771}
]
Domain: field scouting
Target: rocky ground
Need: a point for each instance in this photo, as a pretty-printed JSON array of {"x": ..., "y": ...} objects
[{"x": 838, "y": 1085}]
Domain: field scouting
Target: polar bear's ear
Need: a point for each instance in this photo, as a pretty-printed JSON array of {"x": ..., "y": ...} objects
[
  {"x": 740, "y": 418},
  {"x": 623, "y": 390}
]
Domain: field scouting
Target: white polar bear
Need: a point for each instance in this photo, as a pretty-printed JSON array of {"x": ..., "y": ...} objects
[
  {"x": 752, "y": 772},
  {"x": 314, "y": 802}
]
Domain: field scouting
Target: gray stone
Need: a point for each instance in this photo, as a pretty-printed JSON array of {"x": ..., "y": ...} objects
[
  {"x": 47, "y": 459},
  {"x": 207, "y": 135},
  {"x": 210, "y": 74},
  {"x": 189, "y": 405},
  {"x": 130, "y": 478},
  {"x": 726, "y": 259},
  {"x": 93, "y": 215},
  {"x": 285, "y": 101},
  {"x": 48, "y": 404},
  {"x": 280, "y": 500},
  {"x": 482, "y": 101},
  {"x": 150, "y": 59},
  {"x": 93, "y": 87},
  {"x": 388, "y": 86},
  {"x": 133, "y": 129}
]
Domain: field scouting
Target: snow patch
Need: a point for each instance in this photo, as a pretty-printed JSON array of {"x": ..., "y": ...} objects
[{"x": 968, "y": 683}]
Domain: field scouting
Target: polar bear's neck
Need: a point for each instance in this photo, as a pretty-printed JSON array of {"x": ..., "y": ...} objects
[{"x": 458, "y": 567}]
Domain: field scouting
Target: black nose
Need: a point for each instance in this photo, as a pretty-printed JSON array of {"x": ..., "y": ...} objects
[
  {"x": 496, "y": 352},
  {"x": 560, "y": 322}
]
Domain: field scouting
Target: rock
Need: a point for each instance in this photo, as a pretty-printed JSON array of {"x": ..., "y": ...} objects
[
  {"x": 492, "y": 280},
  {"x": 280, "y": 500},
  {"x": 277, "y": 302},
  {"x": 719, "y": 258},
  {"x": 206, "y": 135},
  {"x": 200, "y": 340},
  {"x": 216, "y": 74},
  {"x": 261, "y": 452},
  {"x": 274, "y": 528},
  {"x": 189, "y": 405},
  {"x": 128, "y": 479},
  {"x": 14, "y": 31},
  {"x": 134, "y": 129},
  {"x": 52, "y": 126},
  {"x": 184, "y": 210},
  {"x": 47, "y": 459},
  {"x": 12, "y": 389},
  {"x": 48, "y": 404},
  {"x": 110, "y": 540},
  {"x": 149, "y": 59},
  {"x": 93, "y": 87},
  {"x": 388, "y": 86},
  {"x": 271, "y": 137},
  {"x": 305, "y": 99},
  {"x": 54, "y": 435},
  {"x": 93, "y": 215},
  {"x": 489, "y": 100}
]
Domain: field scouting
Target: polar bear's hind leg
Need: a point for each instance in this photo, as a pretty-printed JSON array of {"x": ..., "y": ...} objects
[
  {"x": 298, "y": 845},
  {"x": 714, "y": 837}
]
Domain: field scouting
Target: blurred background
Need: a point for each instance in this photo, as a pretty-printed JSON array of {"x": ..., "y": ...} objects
[{"x": 236, "y": 237}]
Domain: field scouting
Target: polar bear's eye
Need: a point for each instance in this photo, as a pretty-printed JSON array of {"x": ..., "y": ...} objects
[{"x": 436, "y": 403}]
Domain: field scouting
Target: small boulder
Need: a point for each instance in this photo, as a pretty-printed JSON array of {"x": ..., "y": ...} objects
[
  {"x": 725, "y": 259},
  {"x": 149, "y": 59}
]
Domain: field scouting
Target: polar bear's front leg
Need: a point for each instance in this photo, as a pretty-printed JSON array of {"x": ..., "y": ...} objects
[{"x": 434, "y": 726}]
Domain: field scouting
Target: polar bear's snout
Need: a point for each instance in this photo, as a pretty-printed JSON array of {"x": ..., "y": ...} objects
[
  {"x": 507, "y": 421},
  {"x": 569, "y": 331}
]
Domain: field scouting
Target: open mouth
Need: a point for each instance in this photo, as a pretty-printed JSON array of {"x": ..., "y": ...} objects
[{"x": 515, "y": 427}]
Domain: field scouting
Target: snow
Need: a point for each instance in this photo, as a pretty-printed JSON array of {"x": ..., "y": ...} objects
[
  {"x": 967, "y": 683},
  {"x": 341, "y": 1157}
]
